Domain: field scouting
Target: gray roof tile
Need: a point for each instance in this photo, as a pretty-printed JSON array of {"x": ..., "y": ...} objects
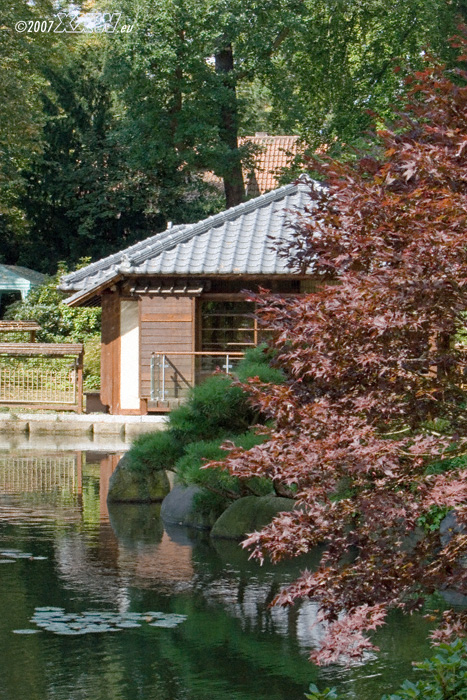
[{"x": 236, "y": 241}]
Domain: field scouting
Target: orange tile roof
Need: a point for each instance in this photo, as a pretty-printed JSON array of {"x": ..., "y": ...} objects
[{"x": 274, "y": 153}]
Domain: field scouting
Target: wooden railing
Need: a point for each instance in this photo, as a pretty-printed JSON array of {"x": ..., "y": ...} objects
[{"x": 173, "y": 374}]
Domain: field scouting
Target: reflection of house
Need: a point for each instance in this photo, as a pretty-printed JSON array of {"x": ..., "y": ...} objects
[
  {"x": 16, "y": 282},
  {"x": 174, "y": 306}
]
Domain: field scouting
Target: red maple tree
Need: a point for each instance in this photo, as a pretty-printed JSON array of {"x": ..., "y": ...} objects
[{"x": 369, "y": 427}]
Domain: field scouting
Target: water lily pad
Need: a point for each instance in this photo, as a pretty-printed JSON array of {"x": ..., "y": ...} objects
[
  {"x": 45, "y": 620},
  {"x": 56, "y": 620},
  {"x": 168, "y": 624},
  {"x": 26, "y": 631},
  {"x": 56, "y": 629},
  {"x": 127, "y": 624},
  {"x": 70, "y": 633},
  {"x": 6, "y": 552},
  {"x": 168, "y": 620}
]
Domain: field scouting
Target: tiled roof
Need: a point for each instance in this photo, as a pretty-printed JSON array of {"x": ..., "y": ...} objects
[
  {"x": 237, "y": 241},
  {"x": 15, "y": 273},
  {"x": 273, "y": 153}
]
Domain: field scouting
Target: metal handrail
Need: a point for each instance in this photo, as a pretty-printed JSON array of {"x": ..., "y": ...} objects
[
  {"x": 200, "y": 352},
  {"x": 159, "y": 392}
]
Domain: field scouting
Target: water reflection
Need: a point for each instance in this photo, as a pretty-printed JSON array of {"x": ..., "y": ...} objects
[
  {"x": 232, "y": 646},
  {"x": 70, "y": 486}
]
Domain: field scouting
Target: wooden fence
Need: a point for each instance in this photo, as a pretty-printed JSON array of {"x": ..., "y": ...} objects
[{"x": 42, "y": 375}]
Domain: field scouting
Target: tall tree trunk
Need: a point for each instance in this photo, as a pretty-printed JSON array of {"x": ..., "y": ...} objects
[{"x": 228, "y": 127}]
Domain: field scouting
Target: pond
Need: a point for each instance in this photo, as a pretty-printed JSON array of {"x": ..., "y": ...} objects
[{"x": 113, "y": 606}]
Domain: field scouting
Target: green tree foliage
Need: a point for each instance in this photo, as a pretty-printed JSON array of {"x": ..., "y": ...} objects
[
  {"x": 340, "y": 64},
  {"x": 198, "y": 72},
  {"x": 179, "y": 70},
  {"x": 105, "y": 138},
  {"x": 80, "y": 186},
  {"x": 22, "y": 56}
]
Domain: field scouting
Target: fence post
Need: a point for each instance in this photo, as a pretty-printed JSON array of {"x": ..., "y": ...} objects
[{"x": 80, "y": 383}]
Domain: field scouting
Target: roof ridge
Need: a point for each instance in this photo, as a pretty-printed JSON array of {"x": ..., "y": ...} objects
[
  {"x": 124, "y": 261},
  {"x": 191, "y": 230}
]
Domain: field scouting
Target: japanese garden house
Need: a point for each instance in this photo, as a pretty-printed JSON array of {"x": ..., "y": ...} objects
[{"x": 174, "y": 306}]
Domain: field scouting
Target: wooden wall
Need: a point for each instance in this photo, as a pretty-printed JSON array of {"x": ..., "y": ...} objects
[
  {"x": 167, "y": 325},
  {"x": 110, "y": 351}
]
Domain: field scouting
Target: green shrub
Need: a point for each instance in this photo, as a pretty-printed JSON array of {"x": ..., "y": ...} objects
[
  {"x": 190, "y": 468},
  {"x": 447, "y": 676},
  {"x": 210, "y": 505},
  {"x": 256, "y": 363},
  {"x": 59, "y": 322},
  {"x": 445, "y": 465},
  {"x": 92, "y": 363},
  {"x": 62, "y": 324},
  {"x": 153, "y": 451},
  {"x": 431, "y": 519},
  {"x": 214, "y": 409},
  {"x": 326, "y": 694},
  {"x": 217, "y": 408}
]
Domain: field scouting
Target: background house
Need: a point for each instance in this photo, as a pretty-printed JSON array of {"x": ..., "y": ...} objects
[
  {"x": 174, "y": 305},
  {"x": 15, "y": 284},
  {"x": 273, "y": 154}
]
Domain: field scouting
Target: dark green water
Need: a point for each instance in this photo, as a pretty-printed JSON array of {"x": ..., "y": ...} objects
[{"x": 231, "y": 646}]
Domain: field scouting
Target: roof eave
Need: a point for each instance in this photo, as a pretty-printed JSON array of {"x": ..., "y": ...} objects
[{"x": 82, "y": 296}]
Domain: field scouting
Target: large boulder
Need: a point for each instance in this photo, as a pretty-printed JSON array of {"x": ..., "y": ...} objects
[
  {"x": 179, "y": 508},
  {"x": 131, "y": 486},
  {"x": 249, "y": 514}
]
